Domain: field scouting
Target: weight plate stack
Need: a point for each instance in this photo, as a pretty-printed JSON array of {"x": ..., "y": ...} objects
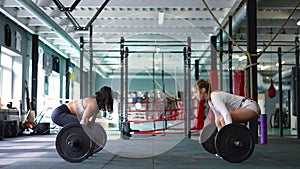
[
  {"x": 234, "y": 143},
  {"x": 207, "y": 138},
  {"x": 73, "y": 144},
  {"x": 99, "y": 137}
]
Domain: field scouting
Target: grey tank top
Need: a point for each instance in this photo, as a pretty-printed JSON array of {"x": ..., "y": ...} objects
[{"x": 80, "y": 109}]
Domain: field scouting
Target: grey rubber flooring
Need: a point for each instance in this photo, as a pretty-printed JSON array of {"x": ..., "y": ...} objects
[{"x": 38, "y": 152}]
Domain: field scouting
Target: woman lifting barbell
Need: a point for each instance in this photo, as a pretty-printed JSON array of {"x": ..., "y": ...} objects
[
  {"x": 227, "y": 107},
  {"x": 85, "y": 109}
]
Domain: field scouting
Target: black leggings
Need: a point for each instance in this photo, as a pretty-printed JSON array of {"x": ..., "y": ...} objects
[{"x": 63, "y": 116}]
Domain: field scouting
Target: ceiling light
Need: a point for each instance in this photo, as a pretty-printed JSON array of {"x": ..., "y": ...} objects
[
  {"x": 161, "y": 17},
  {"x": 157, "y": 49},
  {"x": 81, "y": 30},
  {"x": 282, "y": 62},
  {"x": 264, "y": 67},
  {"x": 235, "y": 56},
  {"x": 244, "y": 57}
]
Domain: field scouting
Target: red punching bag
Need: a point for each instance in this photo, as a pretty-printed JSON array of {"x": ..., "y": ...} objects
[
  {"x": 271, "y": 90},
  {"x": 239, "y": 83}
]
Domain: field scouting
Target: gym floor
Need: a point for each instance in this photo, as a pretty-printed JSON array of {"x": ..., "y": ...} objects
[{"x": 38, "y": 151}]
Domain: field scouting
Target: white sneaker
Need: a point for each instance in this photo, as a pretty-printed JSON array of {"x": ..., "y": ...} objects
[{"x": 27, "y": 131}]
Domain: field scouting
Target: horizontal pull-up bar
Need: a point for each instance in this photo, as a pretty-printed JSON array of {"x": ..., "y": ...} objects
[
  {"x": 106, "y": 64},
  {"x": 149, "y": 51},
  {"x": 155, "y": 45},
  {"x": 138, "y": 51},
  {"x": 117, "y": 57},
  {"x": 152, "y": 42}
]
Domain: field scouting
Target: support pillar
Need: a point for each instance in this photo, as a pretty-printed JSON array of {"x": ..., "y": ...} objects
[
  {"x": 188, "y": 88},
  {"x": 91, "y": 91},
  {"x": 126, "y": 83},
  {"x": 252, "y": 70},
  {"x": 81, "y": 67},
  {"x": 280, "y": 91},
  {"x": 68, "y": 79},
  {"x": 185, "y": 110},
  {"x": 213, "y": 73},
  {"x": 297, "y": 84},
  {"x": 221, "y": 60},
  {"x": 35, "y": 60},
  {"x": 230, "y": 79},
  {"x": 121, "y": 110}
]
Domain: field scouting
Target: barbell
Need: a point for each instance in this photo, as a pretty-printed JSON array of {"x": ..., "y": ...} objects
[
  {"x": 75, "y": 143},
  {"x": 234, "y": 142}
]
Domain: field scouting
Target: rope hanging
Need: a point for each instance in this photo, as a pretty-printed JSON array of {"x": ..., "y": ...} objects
[{"x": 247, "y": 52}]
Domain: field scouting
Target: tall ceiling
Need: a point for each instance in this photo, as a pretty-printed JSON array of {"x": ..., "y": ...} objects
[{"x": 147, "y": 40}]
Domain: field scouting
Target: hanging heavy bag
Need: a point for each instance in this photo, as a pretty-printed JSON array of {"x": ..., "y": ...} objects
[{"x": 271, "y": 90}]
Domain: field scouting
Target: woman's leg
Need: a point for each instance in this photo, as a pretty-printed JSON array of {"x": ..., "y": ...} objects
[
  {"x": 62, "y": 116},
  {"x": 248, "y": 111},
  {"x": 243, "y": 115}
]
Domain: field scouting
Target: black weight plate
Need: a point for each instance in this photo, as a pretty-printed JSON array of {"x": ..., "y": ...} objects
[
  {"x": 82, "y": 145},
  {"x": 234, "y": 143},
  {"x": 97, "y": 133},
  {"x": 207, "y": 138}
]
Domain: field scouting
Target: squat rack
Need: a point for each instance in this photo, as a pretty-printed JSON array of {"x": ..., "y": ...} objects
[{"x": 123, "y": 107}]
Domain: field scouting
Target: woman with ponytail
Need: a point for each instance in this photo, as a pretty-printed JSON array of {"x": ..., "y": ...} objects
[{"x": 227, "y": 108}]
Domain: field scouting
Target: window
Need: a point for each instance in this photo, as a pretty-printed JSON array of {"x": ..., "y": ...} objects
[
  {"x": 10, "y": 77},
  {"x": 6, "y": 81}
]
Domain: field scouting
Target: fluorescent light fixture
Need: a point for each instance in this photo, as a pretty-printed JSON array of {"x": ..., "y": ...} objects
[
  {"x": 282, "y": 62},
  {"x": 161, "y": 17},
  {"x": 298, "y": 23},
  {"x": 244, "y": 57},
  {"x": 264, "y": 67},
  {"x": 81, "y": 30},
  {"x": 157, "y": 49},
  {"x": 235, "y": 56}
]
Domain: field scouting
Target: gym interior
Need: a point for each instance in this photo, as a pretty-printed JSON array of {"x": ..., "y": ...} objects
[{"x": 150, "y": 53}]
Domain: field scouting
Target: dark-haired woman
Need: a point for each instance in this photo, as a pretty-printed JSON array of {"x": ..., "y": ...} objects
[{"x": 84, "y": 110}]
